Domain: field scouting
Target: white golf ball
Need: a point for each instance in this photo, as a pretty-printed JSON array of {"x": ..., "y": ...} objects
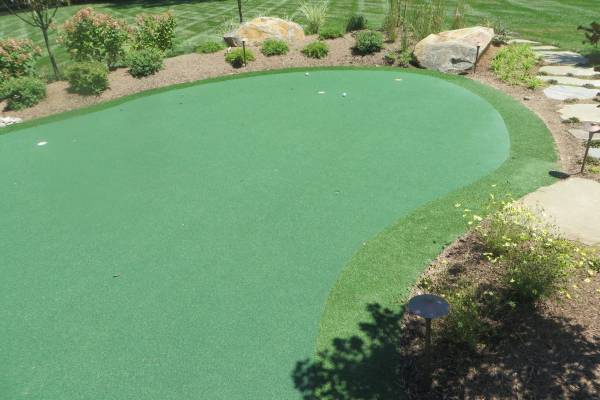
[
  {"x": 306, "y": 74},
  {"x": 42, "y": 143},
  {"x": 344, "y": 94}
]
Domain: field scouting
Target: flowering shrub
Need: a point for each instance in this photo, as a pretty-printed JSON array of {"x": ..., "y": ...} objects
[
  {"x": 22, "y": 92},
  {"x": 17, "y": 58},
  {"x": 90, "y": 35},
  {"x": 155, "y": 31}
]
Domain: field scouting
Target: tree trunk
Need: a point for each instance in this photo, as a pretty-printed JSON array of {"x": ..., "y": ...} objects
[
  {"x": 240, "y": 10},
  {"x": 51, "y": 54}
]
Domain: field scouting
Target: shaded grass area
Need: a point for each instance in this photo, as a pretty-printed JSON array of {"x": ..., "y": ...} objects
[{"x": 553, "y": 22}]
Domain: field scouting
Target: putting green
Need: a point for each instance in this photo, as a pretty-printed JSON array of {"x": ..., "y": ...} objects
[{"x": 185, "y": 243}]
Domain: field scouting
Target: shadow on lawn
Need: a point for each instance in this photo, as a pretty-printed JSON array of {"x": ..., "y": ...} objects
[{"x": 530, "y": 356}]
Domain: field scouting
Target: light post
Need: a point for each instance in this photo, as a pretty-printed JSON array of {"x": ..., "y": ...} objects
[
  {"x": 244, "y": 50},
  {"x": 592, "y": 130}
]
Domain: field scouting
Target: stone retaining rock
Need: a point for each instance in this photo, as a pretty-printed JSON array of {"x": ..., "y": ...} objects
[{"x": 262, "y": 28}]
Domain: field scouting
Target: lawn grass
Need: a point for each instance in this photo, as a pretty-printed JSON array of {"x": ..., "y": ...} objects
[{"x": 548, "y": 21}]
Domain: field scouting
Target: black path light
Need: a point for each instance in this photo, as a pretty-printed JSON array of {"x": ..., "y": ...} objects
[
  {"x": 592, "y": 130},
  {"x": 244, "y": 50},
  {"x": 428, "y": 306},
  {"x": 476, "y": 58}
]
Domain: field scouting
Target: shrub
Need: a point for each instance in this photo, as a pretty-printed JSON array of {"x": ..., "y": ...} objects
[
  {"x": 390, "y": 57},
  {"x": 145, "y": 62},
  {"x": 210, "y": 47},
  {"x": 315, "y": 14},
  {"x": 316, "y": 49},
  {"x": 592, "y": 33},
  {"x": 405, "y": 58},
  {"x": 368, "y": 42},
  {"x": 89, "y": 35},
  {"x": 274, "y": 47},
  {"x": 330, "y": 32},
  {"x": 89, "y": 77},
  {"x": 236, "y": 57},
  {"x": 22, "y": 92},
  {"x": 464, "y": 324},
  {"x": 17, "y": 58},
  {"x": 501, "y": 33},
  {"x": 515, "y": 65},
  {"x": 356, "y": 23},
  {"x": 156, "y": 30}
]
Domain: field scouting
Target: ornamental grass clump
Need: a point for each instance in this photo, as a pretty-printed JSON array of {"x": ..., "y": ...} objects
[
  {"x": 17, "y": 58},
  {"x": 368, "y": 42},
  {"x": 515, "y": 65},
  {"x": 316, "y": 49},
  {"x": 315, "y": 14},
  {"x": 274, "y": 47}
]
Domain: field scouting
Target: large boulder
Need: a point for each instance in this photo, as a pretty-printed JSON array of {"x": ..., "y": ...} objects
[
  {"x": 453, "y": 51},
  {"x": 262, "y": 28}
]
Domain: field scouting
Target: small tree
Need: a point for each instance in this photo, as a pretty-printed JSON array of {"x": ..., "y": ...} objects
[
  {"x": 39, "y": 14},
  {"x": 592, "y": 33}
]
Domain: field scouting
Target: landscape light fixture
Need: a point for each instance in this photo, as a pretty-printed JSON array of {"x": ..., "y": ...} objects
[
  {"x": 592, "y": 130},
  {"x": 428, "y": 306},
  {"x": 244, "y": 50},
  {"x": 476, "y": 58}
]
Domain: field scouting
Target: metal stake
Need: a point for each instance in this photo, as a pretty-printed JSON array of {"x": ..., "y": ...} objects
[
  {"x": 244, "y": 50},
  {"x": 476, "y": 59}
]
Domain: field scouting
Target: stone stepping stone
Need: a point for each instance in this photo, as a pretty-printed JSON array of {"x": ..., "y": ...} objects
[
  {"x": 561, "y": 92},
  {"x": 583, "y": 112},
  {"x": 594, "y": 153},
  {"x": 562, "y": 57},
  {"x": 544, "y": 48},
  {"x": 7, "y": 121},
  {"x": 566, "y": 70},
  {"x": 568, "y": 80},
  {"x": 522, "y": 41},
  {"x": 582, "y": 134}
]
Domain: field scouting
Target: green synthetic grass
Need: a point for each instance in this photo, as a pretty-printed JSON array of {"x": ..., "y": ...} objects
[
  {"x": 548, "y": 21},
  {"x": 184, "y": 243}
]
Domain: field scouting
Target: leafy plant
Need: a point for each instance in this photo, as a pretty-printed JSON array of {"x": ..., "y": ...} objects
[
  {"x": 390, "y": 57},
  {"x": 515, "y": 65},
  {"x": 156, "y": 30},
  {"x": 426, "y": 17},
  {"x": 22, "y": 92},
  {"x": 405, "y": 58},
  {"x": 391, "y": 20},
  {"x": 356, "y": 22},
  {"x": 274, "y": 47},
  {"x": 315, "y": 13},
  {"x": 592, "y": 33},
  {"x": 210, "y": 47},
  {"x": 89, "y": 77},
  {"x": 236, "y": 57},
  {"x": 458, "y": 21},
  {"x": 501, "y": 33},
  {"x": 368, "y": 42},
  {"x": 316, "y": 49},
  {"x": 330, "y": 32},
  {"x": 90, "y": 35},
  {"x": 145, "y": 62},
  {"x": 17, "y": 58},
  {"x": 464, "y": 324}
]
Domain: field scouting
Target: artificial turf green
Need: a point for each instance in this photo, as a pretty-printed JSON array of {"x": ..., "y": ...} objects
[{"x": 183, "y": 243}]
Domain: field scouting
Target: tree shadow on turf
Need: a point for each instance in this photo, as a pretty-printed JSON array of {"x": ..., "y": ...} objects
[{"x": 530, "y": 356}]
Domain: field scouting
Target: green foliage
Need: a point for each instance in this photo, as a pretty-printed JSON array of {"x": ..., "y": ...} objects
[
  {"x": 315, "y": 13},
  {"x": 274, "y": 47},
  {"x": 22, "y": 92},
  {"x": 426, "y": 17},
  {"x": 330, "y": 32},
  {"x": 592, "y": 33},
  {"x": 458, "y": 21},
  {"x": 157, "y": 30},
  {"x": 405, "y": 58},
  {"x": 356, "y": 22},
  {"x": 88, "y": 77},
  {"x": 17, "y": 58},
  {"x": 368, "y": 42},
  {"x": 145, "y": 62},
  {"x": 210, "y": 47},
  {"x": 501, "y": 33},
  {"x": 390, "y": 57},
  {"x": 89, "y": 35},
  {"x": 515, "y": 65},
  {"x": 316, "y": 49},
  {"x": 392, "y": 20},
  {"x": 464, "y": 324},
  {"x": 236, "y": 57}
]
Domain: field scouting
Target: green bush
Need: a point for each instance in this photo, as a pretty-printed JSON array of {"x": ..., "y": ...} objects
[
  {"x": 405, "y": 58},
  {"x": 515, "y": 65},
  {"x": 390, "y": 57},
  {"x": 368, "y": 42},
  {"x": 464, "y": 324},
  {"x": 316, "y": 49},
  {"x": 145, "y": 62},
  {"x": 156, "y": 30},
  {"x": 356, "y": 23},
  {"x": 17, "y": 58},
  {"x": 87, "y": 77},
  {"x": 22, "y": 92},
  {"x": 592, "y": 33},
  {"x": 315, "y": 13},
  {"x": 210, "y": 47},
  {"x": 89, "y": 35},
  {"x": 274, "y": 47},
  {"x": 236, "y": 57},
  {"x": 330, "y": 32}
]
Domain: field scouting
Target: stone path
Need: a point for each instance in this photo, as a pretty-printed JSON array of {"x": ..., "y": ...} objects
[
  {"x": 572, "y": 206},
  {"x": 582, "y": 112},
  {"x": 563, "y": 92},
  {"x": 561, "y": 57},
  {"x": 569, "y": 70},
  {"x": 568, "y": 80}
]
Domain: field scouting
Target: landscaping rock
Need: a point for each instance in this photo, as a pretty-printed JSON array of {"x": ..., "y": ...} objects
[
  {"x": 262, "y": 28},
  {"x": 581, "y": 134},
  {"x": 572, "y": 205},
  {"x": 566, "y": 70},
  {"x": 568, "y": 80},
  {"x": 562, "y": 57},
  {"x": 522, "y": 41},
  {"x": 594, "y": 153},
  {"x": 544, "y": 48},
  {"x": 583, "y": 112},
  {"x": 453, "y": 51},
  {"x": 562, "y": 92},
  {"x": 6, "y": 121}
]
